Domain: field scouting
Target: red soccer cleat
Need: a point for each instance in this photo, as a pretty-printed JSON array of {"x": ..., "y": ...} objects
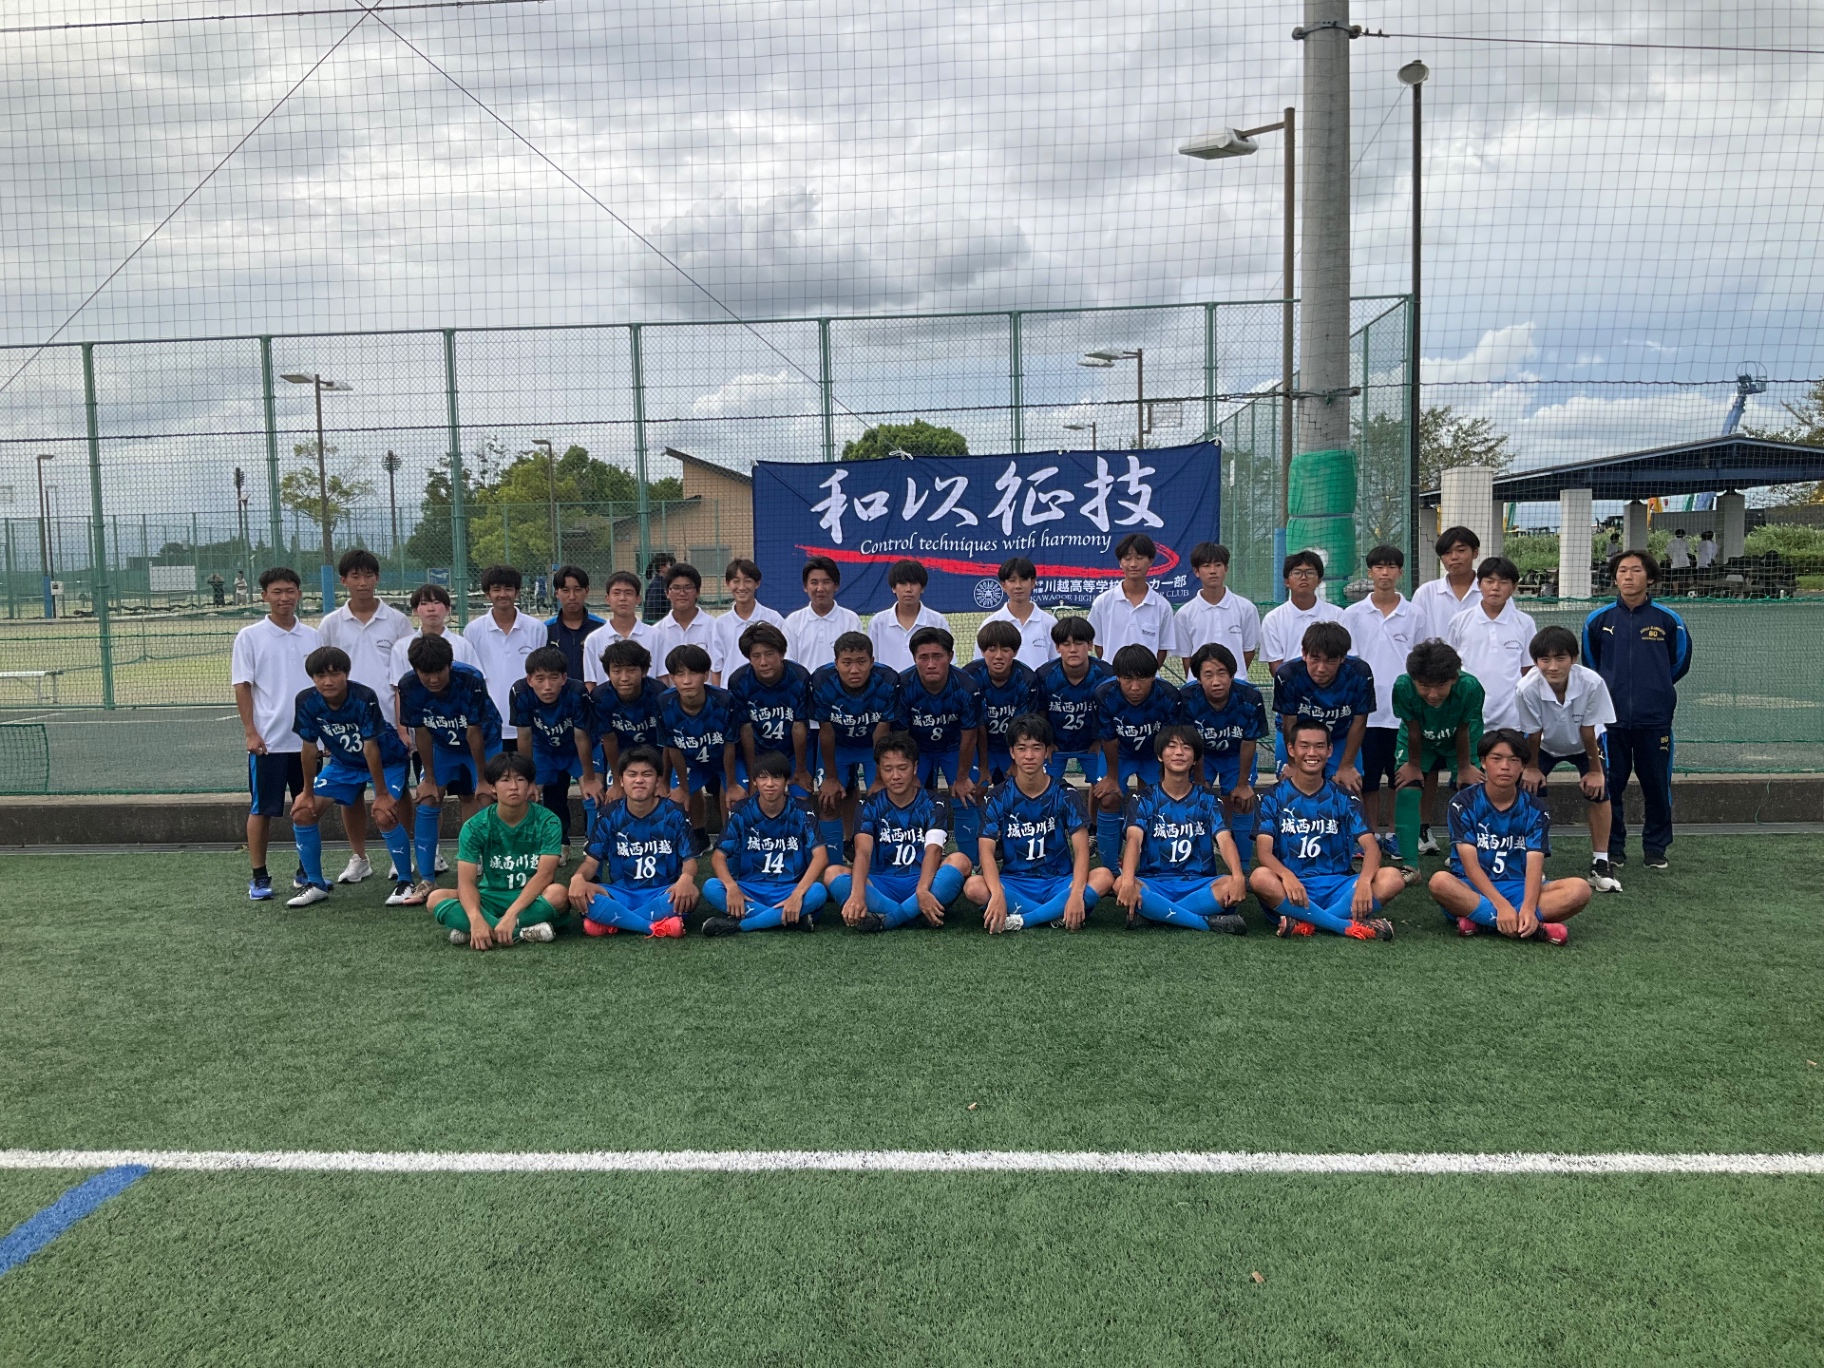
[
  {"x": 591, "y": 928},
  {"x": 1377, "y": 929},
  {"x": 1556, "y": 933},
  {"x": 1466, "y": 926},
  {"x": 669, "y": 928},
  {"x": 1292, "y": 926}
]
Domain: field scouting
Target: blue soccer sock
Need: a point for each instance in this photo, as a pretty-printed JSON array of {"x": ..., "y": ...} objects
[
  {"x": 310, "y": 852},
  {"x": 830, "y": 830},
  {"x": 1484, "y": 915},
  {"x": 424, "y": 839},
  {"x": 399, "y": 846},
  {"x": 1188, "y": 911},
  {"x": 946, "y": 887},
  {"x": 840, "y": 888},
  {"x": 588, "y": 819},
  {"x": 969, "y": 831},
  {"x": 606, "y": 910},
  {"x": 1323, "y": 918},
  {"x": 1108, "y": 839},
  {"x": 1052, "y": 909}
]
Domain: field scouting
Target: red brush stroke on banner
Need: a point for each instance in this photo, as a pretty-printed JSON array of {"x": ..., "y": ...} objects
[{"x": 961, "y": 567}]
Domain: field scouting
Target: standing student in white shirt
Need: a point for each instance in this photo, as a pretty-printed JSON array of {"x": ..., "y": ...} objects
[
  {"x": 1564, "y": 709},
  {"x": 1383, "y": 628},
  {"x": 365, "y": 630},
  {"x": 1493, "y": 638},
  {"x": 1018, "y": 578},
  {"x": 1706, "y": 551},
  {"x": 685, "y": 624},
  {"x": 743, "y": 580},
  {"x": 891, "y": 630},
  {"x": 1215, "y": 616},
  {"x": 1282, "y": 630},
  {"x": 1440, "y": 600},
  {"x": 811, "y": 632},
  {"x": 268, "y": 674},
  {"x": 502, "y": 638},
  {"x": 622, "y": 594},
  {"x": 1678, "y": 551},
  {"x": 1133, "y": 613}
]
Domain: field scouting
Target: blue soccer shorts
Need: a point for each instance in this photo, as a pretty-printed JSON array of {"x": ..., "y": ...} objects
[
  {"x": 931, "y": 765},
  {"x": 849, "y": 759},
  {"x": 343, "y": 783},
  {"x": 1147, "y": 767},
  {"x": 1223, "y": 772},
  {"x": 1579, "y": 762},
  {"x": 270, "y": 778},
  {"x": 1177, "y": 889},
  {"x": 1514, "y": 890},
  {"x": 1324, "y": 889},
  {"x": 454, "y": 772},
  {"x": 1025, "y": 892},
  {"x": 1092, "y": 765},
  {"x": 999, "y": 765},
  {"x": 550, "y": 766}
]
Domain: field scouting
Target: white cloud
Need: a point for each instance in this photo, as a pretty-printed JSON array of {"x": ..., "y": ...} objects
[{"x": 1497, "y": 356}]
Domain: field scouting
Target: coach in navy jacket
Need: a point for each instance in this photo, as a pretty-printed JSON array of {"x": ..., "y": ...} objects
[{"x": 1641, "y": 650}]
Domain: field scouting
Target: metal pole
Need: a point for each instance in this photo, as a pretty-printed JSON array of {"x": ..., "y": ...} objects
[
  {"x": 12, "y": 606},
  {"x": 644, "y": 503},
  {"x": 459, "y": 513},
  {"x": 1287, "y": 323},
  {"x": 1209, "y": 369},
  {"x": 1413, "y": 399},
  {"x": 44, "y": 537},
  {"x": 1139, "y": 398},
  {"x": 1323, "y": 424},
  {"x": 1016, "y": 383},
  {"x": 551, "y": 492},
  {"x": 826, "y": 384},
  {"x": 98, "y": 528},
  {"x": 329, "y": 550},
  {"x": 272, "y": 450},
  {"x": 391, "y": 463}
]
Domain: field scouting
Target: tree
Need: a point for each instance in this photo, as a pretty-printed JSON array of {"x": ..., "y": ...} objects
[
  {"x": 1447, "y": 441},
  {"x": 298, "y": 489},
  {"x": 917, "y": 438},
  {"x": 1807, "y": 429}
]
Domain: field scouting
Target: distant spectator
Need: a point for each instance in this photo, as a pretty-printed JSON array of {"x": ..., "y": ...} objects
[
  {"x": 240, "y": 587},
  {"x": 1706, "y": 551},
  {"x": 1678, "y": 551},
  {"x": 216, "y": 585},
  {"x": 657, "y": 604}
]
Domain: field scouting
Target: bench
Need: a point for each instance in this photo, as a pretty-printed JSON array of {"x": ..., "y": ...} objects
[{"x": 38, "y": 678}]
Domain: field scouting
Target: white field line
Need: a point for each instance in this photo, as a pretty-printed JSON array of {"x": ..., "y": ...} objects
[{"x": 915, "y": 1161}]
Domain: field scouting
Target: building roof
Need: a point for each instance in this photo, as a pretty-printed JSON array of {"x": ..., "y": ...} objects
[
  {"x": 713, "y": 467},
  {"x": 1710, "y": 466}
]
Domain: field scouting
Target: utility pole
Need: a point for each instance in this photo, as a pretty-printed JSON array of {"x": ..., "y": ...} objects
[
  {"x": 1323, "y": 417},
  {"x": 391, "y": 466}
]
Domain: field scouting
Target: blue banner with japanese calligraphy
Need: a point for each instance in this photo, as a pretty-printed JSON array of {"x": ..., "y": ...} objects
[{"x": 961, "y": 516}]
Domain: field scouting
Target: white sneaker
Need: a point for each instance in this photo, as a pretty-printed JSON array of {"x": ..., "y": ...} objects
[
  {"x": 392, "y": 871},
  {"x": 538, "y": 931},
  {"x": 311, "y": 895},
  {"x": 358, "y": 869},
  {"x": 1428, "y": 844},
  {"x": 442, "y": 866},
  {"x": 459, "y": 937},
  {"x": 1014, "y": 922},
  {"x": 1602, "y": 877},
  {"x": 401, "y": 894}
]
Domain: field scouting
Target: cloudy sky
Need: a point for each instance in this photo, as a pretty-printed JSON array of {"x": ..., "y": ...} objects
[{"x": 1609, "y": 230}]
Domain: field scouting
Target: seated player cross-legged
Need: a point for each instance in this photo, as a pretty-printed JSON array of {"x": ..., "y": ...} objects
[
  {"x": 1034, "y": 843},
  {"x": 342, "y": 720},
  {"x": 1308, "y": 836},
  {"x": 1499, "y": 838},
  {"x": 1175, "y": 838},
  {"x": 506, "y": 860},
  {"x": 769, "y": 863},
  {"x": 639, "y": 869},
  {"x": 900, "y": 871}
]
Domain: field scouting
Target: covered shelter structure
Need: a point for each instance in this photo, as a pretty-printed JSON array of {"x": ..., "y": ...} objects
[{"x": 1725, "y": 466}]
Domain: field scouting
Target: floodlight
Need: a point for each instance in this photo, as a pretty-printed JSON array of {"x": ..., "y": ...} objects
[
  {"x": 1224, "y": 142},
  {"x": 1414, "y": 73}
]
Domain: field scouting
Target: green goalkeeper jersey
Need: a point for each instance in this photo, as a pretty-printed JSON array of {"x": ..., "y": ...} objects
[
  {"x": 508, "y": 855},
  {"x": 1439, "y": 724}
]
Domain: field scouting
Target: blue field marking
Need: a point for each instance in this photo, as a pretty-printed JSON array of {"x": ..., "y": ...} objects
[{"x": 35, "y": 1232}]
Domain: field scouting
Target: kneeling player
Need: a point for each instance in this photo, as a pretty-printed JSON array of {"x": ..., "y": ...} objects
[
  {"x": 344, "y": 721},
  {"x": 1035, "y": 843},
  {"x": 554, "y": 713},
  {"x": 1308, "y": 835},
  {"x": 1499, "y": 838},
  {"x": 1130, "y": 710},
  {"x": 852, "y": 702},
  {"x": 446, "y": 705},
  {"x": 900, "y": 870},
  {"x": 641, "y": 848},
  {"x": 769, "y": 863},
  {"x": 506, "y": 860},
  {"x": 1175, "y": 836}
]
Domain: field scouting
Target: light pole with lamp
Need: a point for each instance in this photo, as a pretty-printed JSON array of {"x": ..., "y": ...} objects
[
  {"x": 1090, "y": 428},
  {"x": 551, "y": 486},
  {"x": 1413, "y": 74},
  {"x": 390, "y": 464},
  {"x": 240, "y": 508},
  {"x": 318, "y": 384},
  {"x": 1102, "y": 360},
  {"x": 44, "y": 534}
]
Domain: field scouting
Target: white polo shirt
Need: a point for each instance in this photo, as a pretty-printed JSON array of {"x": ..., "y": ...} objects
[
  {"x": 811, "y": 640},
  {"x": 1119, "y": 622},
  {"x": 271, "y": 659},
  {"x": 725, "y": 656},
  {"x": 369, "y": 646},
  {"x": 594, "y": 672},
  {"x": 1282, "y": 630},
  {"x": 1586, "y": 703},
  {"x": 1383, "y": 641},
  {"x": 1437, "y": 604},
  {"x": 460, "y": 649},
  {"x": 1233, "y": 621},
  {"x": 670, "y": 634},
  {"x": 1494, "y": 650},
  {"x": 893, "y": 642},
  {"x": 500, "y": 655},
  {"x": 1037, "y": 649}
]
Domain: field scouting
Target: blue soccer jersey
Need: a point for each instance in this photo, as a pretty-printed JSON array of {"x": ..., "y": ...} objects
[
  {"x": 772, "y": 710},
  {"x": 343, "y": 733},
  {"x": 1242, "y": 718},
  {"x": 1318, "y": 833},
  {"x": 1336, "y": 704},
  {"x": 1502, "y": 840},
  {"x": 1071, "y": 708},
  {"x": 773, "y": 850},
  {"x": 447, "y": 716},
  {"x": 553, "y": 725},
  {"x": 633, "y": 722},
  {"x": 900, "y": 834},
  {"x": 1018, "y": 695},
  {"x": 854, "y": 716},
  {"x": 698, "y": 736},
  {"x": 1132, "y": 726},
  {"x": 1034, "y": 833},
  {"x": 640, "y": 852},
  {"x": 938, "y": 720},
  {"x": 1177, "y": 835}
]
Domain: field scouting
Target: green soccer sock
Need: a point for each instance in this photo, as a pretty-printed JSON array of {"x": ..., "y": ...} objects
[{"x": 1407, "y": 811}]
